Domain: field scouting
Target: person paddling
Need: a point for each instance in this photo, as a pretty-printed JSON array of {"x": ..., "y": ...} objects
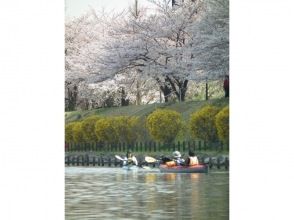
[
  {"x": 131, "y": 159},
  {"x": 177, "y": 158},
  {"x": 192, "y": 159}
]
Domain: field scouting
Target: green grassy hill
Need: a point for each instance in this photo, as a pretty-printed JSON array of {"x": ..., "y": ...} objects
[{"x": 185, "y": 108}]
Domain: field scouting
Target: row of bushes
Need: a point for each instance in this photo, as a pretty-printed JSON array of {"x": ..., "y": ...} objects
[{"x": 209, "y": 124}]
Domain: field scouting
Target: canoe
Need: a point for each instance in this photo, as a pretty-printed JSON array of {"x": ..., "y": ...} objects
[
  {"x": 134, "y": 167},
  {"x": 131, "y": 167},
  {"x": 184, "y": 169}
]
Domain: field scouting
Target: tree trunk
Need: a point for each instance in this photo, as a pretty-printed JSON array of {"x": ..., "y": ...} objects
[
  {"x": 138, "y": 94},
  {"x": 123, "y": 97},
  {"x": 179, "y": 87},
  {"x": 183, "y": 89},
  {"x": 166, "y": 92},
  {"x": 206, "y": 90},
  {"x": 72, "y": 98},
  {"x": 165, "y": 88}
]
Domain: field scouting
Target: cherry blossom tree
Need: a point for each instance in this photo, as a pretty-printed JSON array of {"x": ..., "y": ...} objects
[
  {"x": 160, "y": 51},
  {"x": 171, "y": 46}
]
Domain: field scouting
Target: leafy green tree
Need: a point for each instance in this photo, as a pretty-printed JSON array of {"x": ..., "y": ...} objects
[
  {"x": 202, "y": 123},
  {"x": 164, "y": 125}
]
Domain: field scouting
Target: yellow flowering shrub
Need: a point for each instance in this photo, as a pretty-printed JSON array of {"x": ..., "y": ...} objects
[
  {"x": 68, "y": 132},
  {"x": 202, "y": 123},
  {"x": 77, "y": 133},
  {"x": 118, "y": 129},
  {"x": 127, "y": 128},
  {"x": 164, "y": 125},
  {"x": 222, "y": 124},
  {"x": 105, "y": 130},
  {"x": 88, "y": 128}
]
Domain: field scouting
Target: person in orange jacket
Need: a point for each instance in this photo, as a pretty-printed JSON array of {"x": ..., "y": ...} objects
[{"x": 192, "y": 159}]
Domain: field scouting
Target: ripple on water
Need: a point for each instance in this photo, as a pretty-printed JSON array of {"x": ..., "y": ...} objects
[{"x": 113, "y": 193}]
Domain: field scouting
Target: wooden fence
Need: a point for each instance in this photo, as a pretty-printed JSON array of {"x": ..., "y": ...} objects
[
  {"x": 111, "y": 161},
  {"x": 150, "y": 146}
]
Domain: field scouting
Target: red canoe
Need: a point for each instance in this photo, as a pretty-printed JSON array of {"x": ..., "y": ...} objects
[{"x": 184, "y": 169}]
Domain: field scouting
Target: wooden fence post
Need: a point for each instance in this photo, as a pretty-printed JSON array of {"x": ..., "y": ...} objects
[
  {"x": 71, "y": 160},
  {"x": 78, "y": 160},
  {"x": 119, "y": 147},
  {"x": 87, "y": 160},
  {"x": 199, "y": 145},
  {"x": 174, "y": 146},
  {"x": 226, "y": 163},
  {"x": 210, "y": 163},
  {"x": 154, "y": 146},
  {"x": 179, "y": 146},
  {"x": 83, "y": 160},
  {"x": 123, "y": 147},
  {"x": 193, "y": 145},
  {"x": 94, "y": 160},
  {"x": 218, "y": 163},
  {"x": 158, "y": 146}
]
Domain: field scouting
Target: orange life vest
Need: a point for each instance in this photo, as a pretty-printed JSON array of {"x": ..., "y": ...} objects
[
  {"x": 170, "y": 163},
  {"x": 193, "y": 161}
]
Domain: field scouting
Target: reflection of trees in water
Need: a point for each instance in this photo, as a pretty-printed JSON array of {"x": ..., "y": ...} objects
[{"x": 148, "y": 196}]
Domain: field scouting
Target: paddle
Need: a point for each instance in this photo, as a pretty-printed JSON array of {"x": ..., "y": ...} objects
[
  {"x": 119, "y": 158},
  {"x": 150, "y": 159}
]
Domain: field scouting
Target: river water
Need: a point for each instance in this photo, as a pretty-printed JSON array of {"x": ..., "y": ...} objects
[{"x": 114, "y": 193}]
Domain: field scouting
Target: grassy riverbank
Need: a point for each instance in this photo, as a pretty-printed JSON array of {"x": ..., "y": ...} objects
[{"x": 185, "y": 108}]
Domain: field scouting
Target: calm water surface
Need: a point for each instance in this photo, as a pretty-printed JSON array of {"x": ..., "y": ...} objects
[{"x": 114, "y": 193}]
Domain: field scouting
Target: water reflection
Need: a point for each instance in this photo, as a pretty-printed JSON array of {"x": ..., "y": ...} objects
[
  {"x": 150, "y": 178},
  {"x": 113, "y": 193},
  {"x": 170, "y": 176}
]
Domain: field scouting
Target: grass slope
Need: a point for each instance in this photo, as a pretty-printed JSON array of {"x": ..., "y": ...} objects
[{"x": 185, "y": 108}]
